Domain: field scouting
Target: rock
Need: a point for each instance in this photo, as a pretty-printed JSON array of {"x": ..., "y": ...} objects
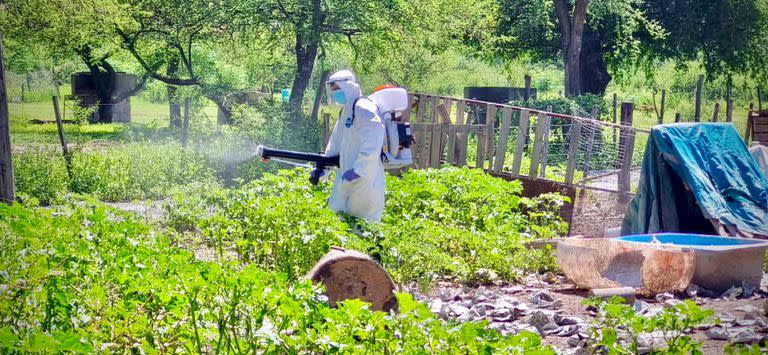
[
  {"x": 479, "y": 299},
  {"x": 485, "y": 275},
  {"x": 436, "y": 306},
  {"x": 549, "y": 278},
  {"x": 746, "y": 336},
  {"x": 563, "y": 320},
  {"x": 526, "y": 327},
  {"x": 543, "y": 322},
  {"x": 505, "y": 302},
  {"x": 457, "y": 310},
  {"x": 748, "y": 309},
  {"x": 568, "y": 330},
  {"x": 726, "y": 318},
  {"x": 641, "y": 306},
  {"x": 521, "y": 309},
  {"x": 732, "y": 293},
  {"x": 692, "y": 291},
  {"x": 543, "y": 299},
  {"x": 705, "y": 326},
  {"x": 672, "y": 303},
  {"x": 664, "y": 297},
  {"x": 482, "y": 308},
  {"x": 718, "y": 334},
  {"x": 745, "y": 322},
  {"x": 502, "y": 315},
  {"x": 573, "y": 341},
  {"x": 512, "y": 289}
]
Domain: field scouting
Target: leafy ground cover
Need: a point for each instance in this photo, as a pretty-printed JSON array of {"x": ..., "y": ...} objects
[{"x": 83, "y": 278}]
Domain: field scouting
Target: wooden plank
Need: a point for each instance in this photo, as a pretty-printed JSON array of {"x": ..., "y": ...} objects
[
  {"x": 445, "y": 110},
  {"x": 615, "y": 108},
  {"x": 480, "y": 135},
  {"x": 750, "y": 116},
  {"x": 326, "y": 128},
  {"x": 760, "y": 128},
  {"x": 490, "y": 122},
  {"x": 699, "y": 88},
  {"x": 421, "y": 107},
  {"x": 716, "y": 112},
  {"x": 520, "y": 143},
  {"x": 461, "y": 137},
  {"x": 759, "y": 120},
  {"x": 451, "y": 152},
  {"x": 434, "y": 149},
  {"x": 407, "y": 113},
  {"x": 420, "y": 138},
  {"x": 501, "y": 150},
  {"x": 538, "y": 145},
  {"x": 760, "y": 137},
  {"x": 434, "y": 102},
  {"x": 462, "y": 149},
  {"x": 545, "y": 150},
  {"x": 677, "y": 117},
  {"x": 527, "y": 92},
  {"x": 573, "y": 151}
]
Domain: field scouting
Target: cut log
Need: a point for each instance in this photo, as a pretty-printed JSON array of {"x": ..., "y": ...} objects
[{"x": 348, "y": 274}]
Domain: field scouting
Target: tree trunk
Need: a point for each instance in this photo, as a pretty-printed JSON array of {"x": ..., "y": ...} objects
[
  {"x": 307, "y": 44},
  {"x": 226, "y": 113},
  {"x": 174, "y": 107},
  {"x": 594, "y": 76},
  {"x": 7, "y": 193},
  {"x": 571, "y": 31}
]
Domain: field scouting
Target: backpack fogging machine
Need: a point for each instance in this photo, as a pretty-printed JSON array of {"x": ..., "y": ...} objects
[{"x": 396, "y": 149}]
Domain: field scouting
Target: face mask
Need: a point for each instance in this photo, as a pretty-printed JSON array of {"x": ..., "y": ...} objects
[{"x": 339, "y": 97}]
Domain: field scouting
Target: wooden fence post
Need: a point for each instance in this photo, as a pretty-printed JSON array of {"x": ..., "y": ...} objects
[
  {"x": 420, "y": 114},
  {"x": 728, "y": 104},
  {"x": 520, "y": 142},
  {"x": 748, "y": 132},
  {"x": 62, "y": 138},
  {"x": 7, "y": 191},
  {"x": 435, "y": 145},
  {"x": 490, "y": 122},
  {"x": 663, "y": 103},
  {"x": 527, "y": 92},
  {"x": 716, "y": 112},
  {"x": 677, "y": 117},
  {"x": 573, "y": 151},
  {"x": 699, "y": 88},
  {"x": 615, "y": 108},
  {"x": 626, "y": 149},
  {"x": 501, "y": 150},
  {"x": 545, "y": 150},
  {"x": 461, "y": 137},
  {"x": 759, "y": 98}
]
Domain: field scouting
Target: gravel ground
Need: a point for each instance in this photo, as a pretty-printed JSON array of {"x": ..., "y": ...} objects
[{"x": 552, "y": 307}]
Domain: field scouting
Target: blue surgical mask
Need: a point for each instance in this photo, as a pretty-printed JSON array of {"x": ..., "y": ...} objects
[{"x": 339, "y": 97}]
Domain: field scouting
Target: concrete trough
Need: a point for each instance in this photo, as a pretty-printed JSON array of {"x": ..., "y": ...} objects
[{"x": 721, "y": 262}]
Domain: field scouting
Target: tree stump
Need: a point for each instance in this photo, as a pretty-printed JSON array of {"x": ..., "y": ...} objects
[{"x": 349, "y": 274}]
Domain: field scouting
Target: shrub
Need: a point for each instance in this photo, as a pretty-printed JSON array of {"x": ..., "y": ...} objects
[
  {"x": 40, "y": 173},
  {"x": 454, "y": 224}
]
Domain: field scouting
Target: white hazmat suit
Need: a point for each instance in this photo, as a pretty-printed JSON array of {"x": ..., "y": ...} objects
[{"x": 358, "y": 143}]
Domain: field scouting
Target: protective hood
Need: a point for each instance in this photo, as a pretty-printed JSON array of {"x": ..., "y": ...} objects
[{"x": 347, "y": 82}]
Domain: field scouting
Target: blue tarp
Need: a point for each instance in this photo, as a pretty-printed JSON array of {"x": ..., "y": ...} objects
[{"x": 696, "y": 178}]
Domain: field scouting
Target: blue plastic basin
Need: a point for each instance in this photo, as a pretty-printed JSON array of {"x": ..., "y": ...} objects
[{"x": 721, "y": 262}]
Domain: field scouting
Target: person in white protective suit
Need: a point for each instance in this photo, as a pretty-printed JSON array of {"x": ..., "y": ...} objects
[{"x": 357, "y": 138}]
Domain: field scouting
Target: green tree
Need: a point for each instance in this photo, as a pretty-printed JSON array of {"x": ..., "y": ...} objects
[
  {"x": 315, "y": 24},
  {"x": 61, "y": 29},
  {"x": 597, "y": 40},
  {"x": 177, "y": 41}
]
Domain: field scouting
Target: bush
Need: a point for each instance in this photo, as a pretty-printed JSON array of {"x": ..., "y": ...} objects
[
  {"x": 40, "y": 173},
  {"x": 132, "y": 171},
  {"x": 454, "y": 224}
]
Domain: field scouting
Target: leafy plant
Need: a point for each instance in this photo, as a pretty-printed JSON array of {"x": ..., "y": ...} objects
[{"x": 619, "y": 328}]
